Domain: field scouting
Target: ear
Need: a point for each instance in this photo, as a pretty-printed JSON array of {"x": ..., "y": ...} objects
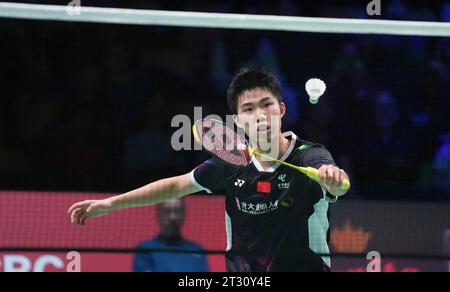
[
  {"x": 237, "y": 120},
  {"x": 282, "y": 109}
]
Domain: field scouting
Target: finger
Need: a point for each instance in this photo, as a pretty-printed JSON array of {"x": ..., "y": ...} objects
[
  {"x": 341, "y": 176},
  {"x": 330, "y": 176},
  {"x": 73, "y": 215},
  {"x": 73, "y": 207},
  {"x": 80, "y": 218},
  {"x": 336, "y": 175},
  {"x": 78, "y": 215},
  {"x": 323, "y": 173},
  {"x": 77, "y": 205}
]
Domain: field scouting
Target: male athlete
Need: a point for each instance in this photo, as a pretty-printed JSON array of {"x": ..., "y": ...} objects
[{"x": 276, "y": 217}]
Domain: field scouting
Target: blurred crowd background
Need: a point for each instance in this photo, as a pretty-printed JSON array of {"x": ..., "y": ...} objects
[{"x": 88, "y": 107}]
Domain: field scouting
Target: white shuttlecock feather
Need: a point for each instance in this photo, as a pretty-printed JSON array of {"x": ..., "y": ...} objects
[{"x": 315, "y": 89}]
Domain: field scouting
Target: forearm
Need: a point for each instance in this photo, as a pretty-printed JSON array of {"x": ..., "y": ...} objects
[{"x": 154, "y": 193}]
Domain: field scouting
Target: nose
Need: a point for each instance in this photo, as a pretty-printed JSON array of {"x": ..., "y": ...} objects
[{"x": 261, "y": 115}]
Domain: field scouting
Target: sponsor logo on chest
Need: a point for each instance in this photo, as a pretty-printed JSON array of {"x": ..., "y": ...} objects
[{"x": 282, "y": 184}]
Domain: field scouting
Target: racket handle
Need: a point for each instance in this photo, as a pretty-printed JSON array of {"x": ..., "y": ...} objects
[{"x": 313, "y": 173}]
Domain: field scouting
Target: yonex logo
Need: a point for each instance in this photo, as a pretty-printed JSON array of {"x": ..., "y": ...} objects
[
  {"x": 239, "y": 183},
  {"x": 282, "y": 177}
]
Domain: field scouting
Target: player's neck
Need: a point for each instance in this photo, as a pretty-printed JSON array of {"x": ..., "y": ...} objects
[
  {"x": 279, "y": 147},
  {"x": 283, "y": 146}
]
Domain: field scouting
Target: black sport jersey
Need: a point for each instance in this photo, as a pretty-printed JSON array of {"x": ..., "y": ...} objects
[{"x": 276, "y": 220}]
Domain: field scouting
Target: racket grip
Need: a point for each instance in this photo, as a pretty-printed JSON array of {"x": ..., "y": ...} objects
[
  {"x": 345, "y": 184},
  {"x": 313, "y": 173}
]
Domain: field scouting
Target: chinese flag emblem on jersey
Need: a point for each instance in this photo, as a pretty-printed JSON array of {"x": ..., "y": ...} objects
[{"x": 263, "y": 187}]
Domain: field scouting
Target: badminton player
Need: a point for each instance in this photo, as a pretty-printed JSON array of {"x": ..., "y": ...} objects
[{"x": 276, "y": 217}]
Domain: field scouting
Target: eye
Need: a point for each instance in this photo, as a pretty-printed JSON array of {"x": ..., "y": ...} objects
[
  {"x": 267, "y": 104},
  {"x": 247, "y": 110}
]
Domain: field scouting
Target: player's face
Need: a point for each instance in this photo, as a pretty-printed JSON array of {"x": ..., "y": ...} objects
[{"x": 259, "y": 114}]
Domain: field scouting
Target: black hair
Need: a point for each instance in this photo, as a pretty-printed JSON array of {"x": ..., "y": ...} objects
[{"x": 251, "y": 78}]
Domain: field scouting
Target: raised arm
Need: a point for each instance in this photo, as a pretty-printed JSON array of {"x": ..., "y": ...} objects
[{"x": 153, "y": 193}]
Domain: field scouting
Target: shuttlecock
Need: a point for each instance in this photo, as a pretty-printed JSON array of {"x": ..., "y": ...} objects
[{"x": 315, "y": 89}]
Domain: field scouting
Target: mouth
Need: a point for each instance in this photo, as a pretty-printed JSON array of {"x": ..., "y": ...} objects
[{"x": 263, "y": 128}]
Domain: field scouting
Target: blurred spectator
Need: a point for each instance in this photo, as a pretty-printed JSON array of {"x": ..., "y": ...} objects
[
  {"x": 436, "y": 87},
  {"x": 149, "y": 146},
  {"x": 349, "y": 94},
  {"x": 436, "y": 175},
  {"x": 385, "y": 171},
  {"x": 397, "y": 9},
  {"x": 265, "y": 55},
  {"x": 127, "y": 89},
  {"x": 288, "y": 7},
  {"x": 218, "y": 70},
  {"x": 441, "y": 164},
  {"x": 445, "y": 12},
  {"x": 170, "y": 217}
]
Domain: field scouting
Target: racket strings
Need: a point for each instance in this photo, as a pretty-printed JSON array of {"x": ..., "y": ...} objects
[{"x": 223, "y": 142}]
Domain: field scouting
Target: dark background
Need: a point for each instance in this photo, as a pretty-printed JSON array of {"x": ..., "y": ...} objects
[{"x": 87, "y": 107}]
